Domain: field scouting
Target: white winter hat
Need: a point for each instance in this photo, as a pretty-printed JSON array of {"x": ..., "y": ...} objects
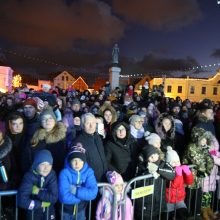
[
  {"x": 171, "y": 155},
  {"x": 152, "y": 137}
]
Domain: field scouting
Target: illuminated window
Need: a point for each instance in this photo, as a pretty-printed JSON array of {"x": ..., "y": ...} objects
[
  {"x": 169, "y": 88},
  {"x": 179, "y": 89},
  {"x": 215, "y": 91},
  {"x": 203, "y": 90},
  {"x": 192, "y": 89}
]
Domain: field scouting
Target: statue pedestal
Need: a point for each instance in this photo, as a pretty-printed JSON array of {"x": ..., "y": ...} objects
[{"x": 114, "y": 73}]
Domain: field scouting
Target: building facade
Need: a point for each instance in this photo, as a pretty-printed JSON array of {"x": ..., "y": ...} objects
[
  {"x": 80, "y": 85},
  {"x": 64, "y": 80},
  {"x": 6, "y": 79},
  {"x": 190, "y": 88}
]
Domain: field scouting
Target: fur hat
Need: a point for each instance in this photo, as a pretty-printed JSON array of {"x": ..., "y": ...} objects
[
  {"x": 151, "y": 138},
  {"x": 31, "y": 102},
  {"x": 147, "y": 151},
  {"x": 47, "y": 112},
  {"x": 114, "y": 178},
  {"x": 171, "y": 155},
  {"x": 41, "y": 157},
  {"x": 77, "y": 152}
]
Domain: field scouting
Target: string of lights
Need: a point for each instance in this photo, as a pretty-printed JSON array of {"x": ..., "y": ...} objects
[{"x": 137, "y": 75}]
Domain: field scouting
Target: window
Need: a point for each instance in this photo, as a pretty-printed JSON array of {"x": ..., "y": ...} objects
[
  {"x": 169, "y": 88},
  {"x": 192, "y": 89},
  {"x": 63, "y": 78},
  {"x": 67, "y": 78},
  {"x": 179, "y": 89},
  {"x": 203, "y": 90},
  {"x": 215, "y": 91}
]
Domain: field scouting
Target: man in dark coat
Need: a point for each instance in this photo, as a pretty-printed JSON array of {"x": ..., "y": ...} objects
[
  {"x": 92, "y": 142},
  {"x": 32, "y": 123},
  {"x": 205, "y": 118}
]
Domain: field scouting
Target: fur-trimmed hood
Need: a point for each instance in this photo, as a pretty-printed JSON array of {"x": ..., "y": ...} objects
[
  {"x": 54, "y": 136},
  {"x": 160, "y": 129},
  {"x": 105, "y": 107},
  {"x": 5, "y": 147},
  {"x": 198, "y": 134}
]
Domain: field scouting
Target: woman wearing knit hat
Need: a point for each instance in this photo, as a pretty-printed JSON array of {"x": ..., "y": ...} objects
[
  {"x": 38, "y": 191},
  {"x": 104, "y": 208},
  {"x": 51, "y": 136},
  {"x": 77, "y": 184},
  {"x": 137, "y": 129},
  {"x": 151, "y": 163}
]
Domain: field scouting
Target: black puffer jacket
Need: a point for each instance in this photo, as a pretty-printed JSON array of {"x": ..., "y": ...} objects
[{"x": 122, "y": 155}]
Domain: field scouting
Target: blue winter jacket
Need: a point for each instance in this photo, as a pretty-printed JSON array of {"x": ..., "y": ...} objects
[
  {"x": 86, "y": 183},
  {"x": 48, "y": 191}
]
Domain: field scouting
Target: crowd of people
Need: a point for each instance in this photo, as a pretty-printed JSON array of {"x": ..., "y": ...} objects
[{"x": 57, "y": 144}]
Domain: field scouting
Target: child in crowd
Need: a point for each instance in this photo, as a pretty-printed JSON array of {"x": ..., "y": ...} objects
[
  {"x": 175, "y": 191},
  {"x": 151, "y": 163},
  {"x": 77, "y": 184},
  {"x": 38, "y": 191},
  {"x": 197, "y": 153},
  {"x": 154, "y": 140},
  {"x": 104, "y": 208}
]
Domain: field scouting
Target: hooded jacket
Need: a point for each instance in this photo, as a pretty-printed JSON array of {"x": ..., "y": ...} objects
[
  {"x": 54, "y": 141},
  {"x": 85, "y": 181},
  {"x": 167, "y": 138},
  {"x": 48, "y": 193},
  {"x": 122, "y": 155},
  {"x": 199, "y": 156}
]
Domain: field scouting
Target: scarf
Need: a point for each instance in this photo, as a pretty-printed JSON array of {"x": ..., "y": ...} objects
[{"x": 136, "y": 133}]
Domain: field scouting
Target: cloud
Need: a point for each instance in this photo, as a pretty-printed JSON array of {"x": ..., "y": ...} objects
[
  {"x": 52, "y": 24},
  {"x": 159, "y": 14},
  {"x": 153, "y": 64},
  {"x": 216, "y": 53}
]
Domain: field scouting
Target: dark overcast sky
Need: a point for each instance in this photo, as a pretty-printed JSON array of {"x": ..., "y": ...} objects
[{"x": 44, "y": 36}]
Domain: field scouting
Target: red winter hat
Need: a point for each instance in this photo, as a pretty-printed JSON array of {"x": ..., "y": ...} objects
[{"x": 30, "y": 101}]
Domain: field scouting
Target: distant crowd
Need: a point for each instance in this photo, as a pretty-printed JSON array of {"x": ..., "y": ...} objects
[{"x": 57, "y": 144}]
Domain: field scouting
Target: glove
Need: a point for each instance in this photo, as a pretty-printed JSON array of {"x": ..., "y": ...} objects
[
  {"x": 179, "y": 170},
  {"x": 213, "y": 152},
  {"x": 152, "y": 167},
  {"x": 155, "y": 175},
  {"x": 35, "y": 190},
  {"x": 186, "y": 169},
  {"x": 45, "y": 204},
  {"x": 73, "y": 189}
]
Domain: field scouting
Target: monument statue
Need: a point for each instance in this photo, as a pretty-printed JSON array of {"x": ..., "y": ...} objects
[{"x": 115, "y": 54}]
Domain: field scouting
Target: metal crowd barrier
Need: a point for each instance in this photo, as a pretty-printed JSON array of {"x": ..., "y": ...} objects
[
  {"x": 135, "y": 191},
  {"x": 9, "y": 193}
]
